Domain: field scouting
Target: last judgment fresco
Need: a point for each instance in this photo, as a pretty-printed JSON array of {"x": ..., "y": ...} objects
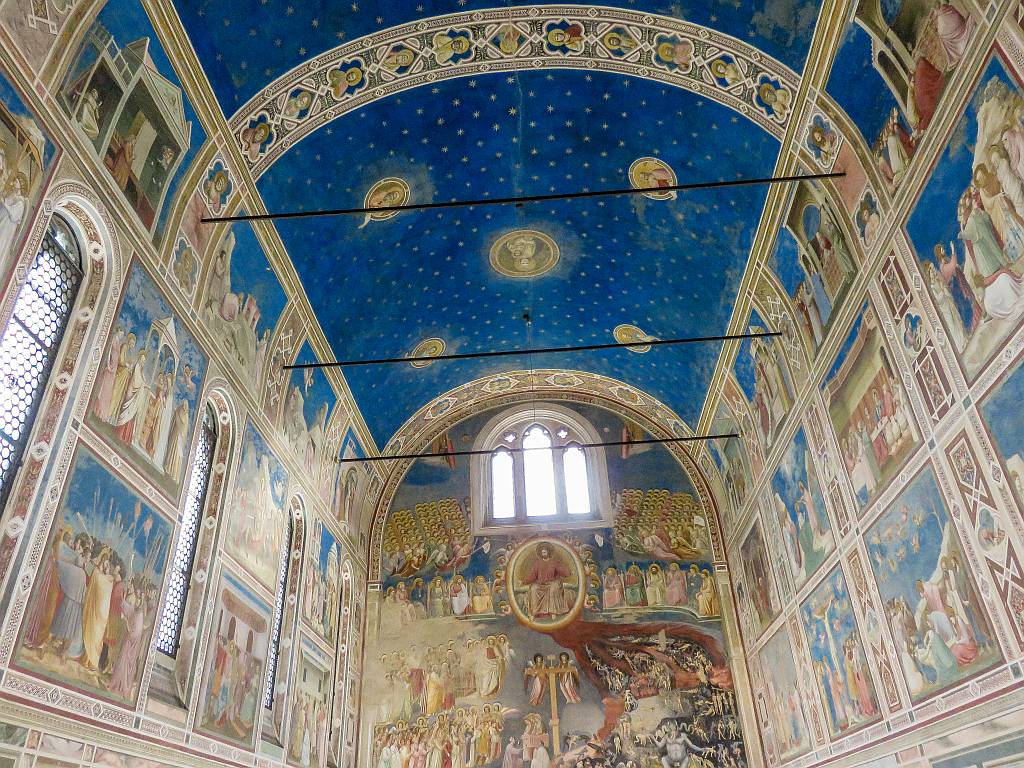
[{"x": 602, "y": 646}]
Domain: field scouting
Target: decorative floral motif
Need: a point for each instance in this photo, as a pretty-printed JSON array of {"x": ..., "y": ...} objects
[{"x": 389, "y": 62}]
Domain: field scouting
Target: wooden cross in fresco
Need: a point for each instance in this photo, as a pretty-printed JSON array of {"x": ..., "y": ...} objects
[{"x": 552, "y": 672}]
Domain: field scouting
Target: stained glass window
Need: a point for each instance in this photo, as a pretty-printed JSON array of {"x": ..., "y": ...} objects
[
  {"x": 275, "y": 634},
  {"x": 180, "y": 574},
  {"x": 30, "y": 341}
]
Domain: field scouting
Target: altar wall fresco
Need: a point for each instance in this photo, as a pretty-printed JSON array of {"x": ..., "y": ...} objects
[{"x": 612, "y": 632}]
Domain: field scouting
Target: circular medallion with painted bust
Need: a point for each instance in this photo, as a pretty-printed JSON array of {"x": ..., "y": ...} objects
[
  {"x": 650, "y": 172},
  {"x": 432, "y": 347},
  {"x": 631, "y": 334},
  {"x": 385, "y": 193},
  {"x": 524, "y": 253}
]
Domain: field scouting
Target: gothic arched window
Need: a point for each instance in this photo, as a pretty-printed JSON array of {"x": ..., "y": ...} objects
[
  {"x": 29, "y": 344},
  {"x": 537, "y": 470},
  {"x": 180, "y": 574},
  {"x": 275, "y": 633}
]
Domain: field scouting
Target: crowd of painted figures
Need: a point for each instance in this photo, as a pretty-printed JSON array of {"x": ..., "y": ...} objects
[
  {"x": 136, "y": 395},
  {"x": 465, "y": 738},
  {"x": 460, "y": 595},
  {"x": 943, "y": 633},
  {"x": 428, "y": 680},
  {"x": 234, "y": 689},
  {"x": 95, "y": 604},
  {"x": 660, "y": 586},
  {"x": 663, "y": 525},
  {"x": 308, "y": 729},
  {"x": 433, "y": 535},
  {"x": 703, "y": 732}
]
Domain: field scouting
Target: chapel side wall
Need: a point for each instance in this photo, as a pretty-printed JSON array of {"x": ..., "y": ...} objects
[
  {"x": 84, "y": 472},
  {"x": 931, "y": 492}
]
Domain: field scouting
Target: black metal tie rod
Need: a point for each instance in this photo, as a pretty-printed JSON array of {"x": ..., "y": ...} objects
[
  {"x": 524, "y": 199},
  {"x": 651, "y": 441},
  {"x": 542, "y": 351}
]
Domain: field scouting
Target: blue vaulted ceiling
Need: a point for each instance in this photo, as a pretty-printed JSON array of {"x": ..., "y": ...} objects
[
  {"x": 671, "y": 268},
  {"x": 245, "y": 44}
]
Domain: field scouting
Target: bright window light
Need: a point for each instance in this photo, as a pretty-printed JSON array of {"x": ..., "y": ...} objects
[
  {"x": 502, "y": 486},
  {"x": 577, "y": 489},
  {"x": 539, "y": 472}
]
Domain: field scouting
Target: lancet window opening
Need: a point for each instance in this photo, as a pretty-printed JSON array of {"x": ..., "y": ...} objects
[
  {"x": 180, "y": 575},
  {"x": 31, "y": 339}
]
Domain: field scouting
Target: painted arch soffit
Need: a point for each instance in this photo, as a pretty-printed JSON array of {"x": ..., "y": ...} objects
[
  {"x": 500, "y": 40},
  {"x": 556, "y": 385}
]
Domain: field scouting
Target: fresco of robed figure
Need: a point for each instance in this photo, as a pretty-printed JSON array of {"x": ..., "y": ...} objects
[
  {"x": 147, "y": 390},
  {"x": 545, "y": 584},
  {"x": 841, "y": 672},
  {"x": 26, "y": 157},
  {"x": 258, "y": 523},
  {"x": 967, "y": 228},
  {"x": 95, "y": 597},
  {"x": 938, "y": 621},
  {"x": 122, "y": 93},
  {"x": 233, "y": 681},
  {"x": 891, "y": 71},
  {"x": 1005, "y": 420},
  {"x": 798, "y": 503},
  {"x": 868, "y": 409}
]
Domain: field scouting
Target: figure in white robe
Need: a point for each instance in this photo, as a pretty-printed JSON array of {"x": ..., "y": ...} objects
[
  {"x": 12, "y": 211},
  {"x": 133, "y": 405},
  {"x": 89, "y": 114}
]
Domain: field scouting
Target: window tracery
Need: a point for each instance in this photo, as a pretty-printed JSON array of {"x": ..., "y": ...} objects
[
  {"x": 180, "y": 575},
  {"x": 31, "y": 338},
  {"x": 539, "y": 469}
]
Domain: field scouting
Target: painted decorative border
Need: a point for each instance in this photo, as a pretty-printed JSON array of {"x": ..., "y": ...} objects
[{"x": 718, "y": 66}]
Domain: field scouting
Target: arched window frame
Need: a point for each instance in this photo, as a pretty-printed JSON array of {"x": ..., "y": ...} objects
[
  {"x": 280, "y": 659},
  {"x": 197, "y": 604},
  {"x": 340, "y": 705},
  {"x": 194, "y": 510},
  {"x": 277, "y": 628},
  {"x": 68, "y": 264},
  {"x": 566, "y": 428}
]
